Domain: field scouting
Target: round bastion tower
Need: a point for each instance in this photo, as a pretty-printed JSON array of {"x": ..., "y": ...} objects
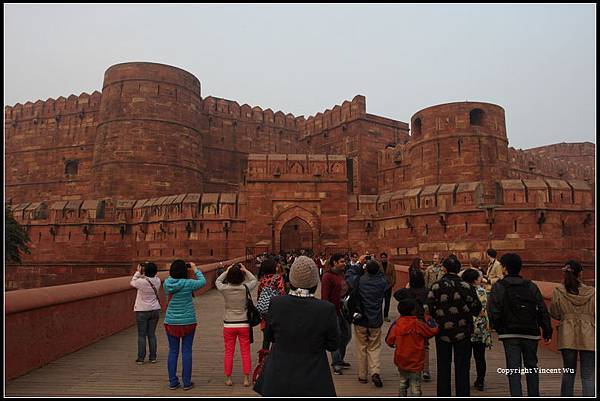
[
  {"x": 459, "y": 142},
  {"x": 148, "y": 141}
]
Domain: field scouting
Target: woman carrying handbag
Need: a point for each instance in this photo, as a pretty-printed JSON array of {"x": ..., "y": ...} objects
[{"x": 238, "y": 319}]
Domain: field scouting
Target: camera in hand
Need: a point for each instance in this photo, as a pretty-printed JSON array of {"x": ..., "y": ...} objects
[
  {"x": 187, "y": 265},
  {"x": 368, "y": 257}
]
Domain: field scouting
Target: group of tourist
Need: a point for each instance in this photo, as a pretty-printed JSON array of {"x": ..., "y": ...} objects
[{"x": 459, "y": 306}]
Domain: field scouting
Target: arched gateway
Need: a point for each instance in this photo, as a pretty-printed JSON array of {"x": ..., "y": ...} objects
[
  {"x": 295, "y": 234},
  {"x": 296, "y": 228}
]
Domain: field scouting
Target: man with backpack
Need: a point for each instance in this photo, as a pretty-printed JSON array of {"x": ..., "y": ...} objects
[{"x": 517, "y": 312}]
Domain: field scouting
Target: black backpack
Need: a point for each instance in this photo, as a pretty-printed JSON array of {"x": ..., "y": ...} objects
[
  {"x": 351, "y": 304},
  {"x": 520, "y": 309}
]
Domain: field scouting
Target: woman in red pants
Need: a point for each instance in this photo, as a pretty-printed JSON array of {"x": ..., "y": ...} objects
[{"x": 232, "y": 284}]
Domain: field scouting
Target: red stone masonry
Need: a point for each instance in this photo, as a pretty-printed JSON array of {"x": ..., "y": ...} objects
[{"x": 147, "y": 169}]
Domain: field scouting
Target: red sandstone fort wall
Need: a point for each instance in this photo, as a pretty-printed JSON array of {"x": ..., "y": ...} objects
[
  {"x": 49, "y": 148},
  {"x": 583, "y": 153},
  {"x": 80, "y": 240},
  {"x": 350, "y": 131},
  {"x": 148, "y": 143},
  {"x": 546, "y": 222},
  {"x": 150, "y": 170},
  {"x": 232, "y": 131}
]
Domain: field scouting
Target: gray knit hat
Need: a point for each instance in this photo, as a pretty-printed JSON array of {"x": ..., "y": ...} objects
[{"x": 304, "y": 273}]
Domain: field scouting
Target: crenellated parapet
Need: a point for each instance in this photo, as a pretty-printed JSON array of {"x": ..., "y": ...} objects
[
  {"x": 53, "y": 109},
  {"x": 349, "y": 110},
  {"x": 214, "y": 106}
]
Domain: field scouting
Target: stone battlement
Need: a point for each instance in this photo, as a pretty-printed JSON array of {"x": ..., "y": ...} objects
[
  {"x": 347, "y": 111},
  {"x": 231, "y": 108},
  {"x": 52, "y": 108}
]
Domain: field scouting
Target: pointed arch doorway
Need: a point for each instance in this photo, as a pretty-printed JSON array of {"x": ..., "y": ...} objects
[
  {"x": 296, "y": 234},
  {"x": 294, "y": 228}
]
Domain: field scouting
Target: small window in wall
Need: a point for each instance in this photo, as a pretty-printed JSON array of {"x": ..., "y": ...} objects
[
  {"x": 426, "y": 229},
  {"x": 416, "y": 128},
  {"x": 71, "y": 167},
  {"x": 515, "y": 223},
  {"x": 211, "y": 252},
  {"x": 476, "y": 117},
  {"x": 190, "y": 252},
  {"x": 466, "y": 227}
]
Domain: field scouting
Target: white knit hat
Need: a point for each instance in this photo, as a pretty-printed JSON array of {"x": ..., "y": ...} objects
[{"x": 304, "y": 273}]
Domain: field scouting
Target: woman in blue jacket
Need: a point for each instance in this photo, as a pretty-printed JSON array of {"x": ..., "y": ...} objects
[{"x": 180, "y": 320}]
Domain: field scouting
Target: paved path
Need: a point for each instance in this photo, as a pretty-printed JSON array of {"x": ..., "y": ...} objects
[{"x": 108, "y": 368}]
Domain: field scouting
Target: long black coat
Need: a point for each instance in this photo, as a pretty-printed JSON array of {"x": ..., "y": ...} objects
[{"x": 301, "y": 330}]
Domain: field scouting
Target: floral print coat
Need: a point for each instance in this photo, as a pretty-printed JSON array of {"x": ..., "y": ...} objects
[{"x": 481, "y": 323}]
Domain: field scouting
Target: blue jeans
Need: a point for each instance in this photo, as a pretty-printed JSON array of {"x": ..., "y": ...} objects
[
  {"x": 588, "y": 372},
  {"x": 186, "y": 358},
  {"x": 146, "y": 324},
  {"x": 337, "y": 356},
  {"x": 516, "y": 349}
]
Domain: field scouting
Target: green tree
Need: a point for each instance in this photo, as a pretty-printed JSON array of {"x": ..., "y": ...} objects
[{"x": 15, "y": 238}]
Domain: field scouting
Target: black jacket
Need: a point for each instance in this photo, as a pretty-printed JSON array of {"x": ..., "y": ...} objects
[
  {"x": 301, "y": 330},
  {"x": 495, "y": 305},
  {"x": 372, "y": 290},
  {"x": 453, "y": 303}
]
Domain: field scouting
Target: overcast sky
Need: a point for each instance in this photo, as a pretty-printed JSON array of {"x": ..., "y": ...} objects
[{"x": 536, "y": 61}]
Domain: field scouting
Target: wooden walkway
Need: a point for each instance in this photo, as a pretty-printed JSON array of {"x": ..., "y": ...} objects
[{"x": 108, "y": 368}]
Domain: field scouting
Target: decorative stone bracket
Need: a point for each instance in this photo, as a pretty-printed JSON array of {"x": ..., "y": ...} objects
[
  {"x": 489, "y": 216},
  {"x": 443, "y": 220},
  {"x": 190, "y": 226},
  {"x": 540, "y": 215},
  {"x": 588, "y": 219}
]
